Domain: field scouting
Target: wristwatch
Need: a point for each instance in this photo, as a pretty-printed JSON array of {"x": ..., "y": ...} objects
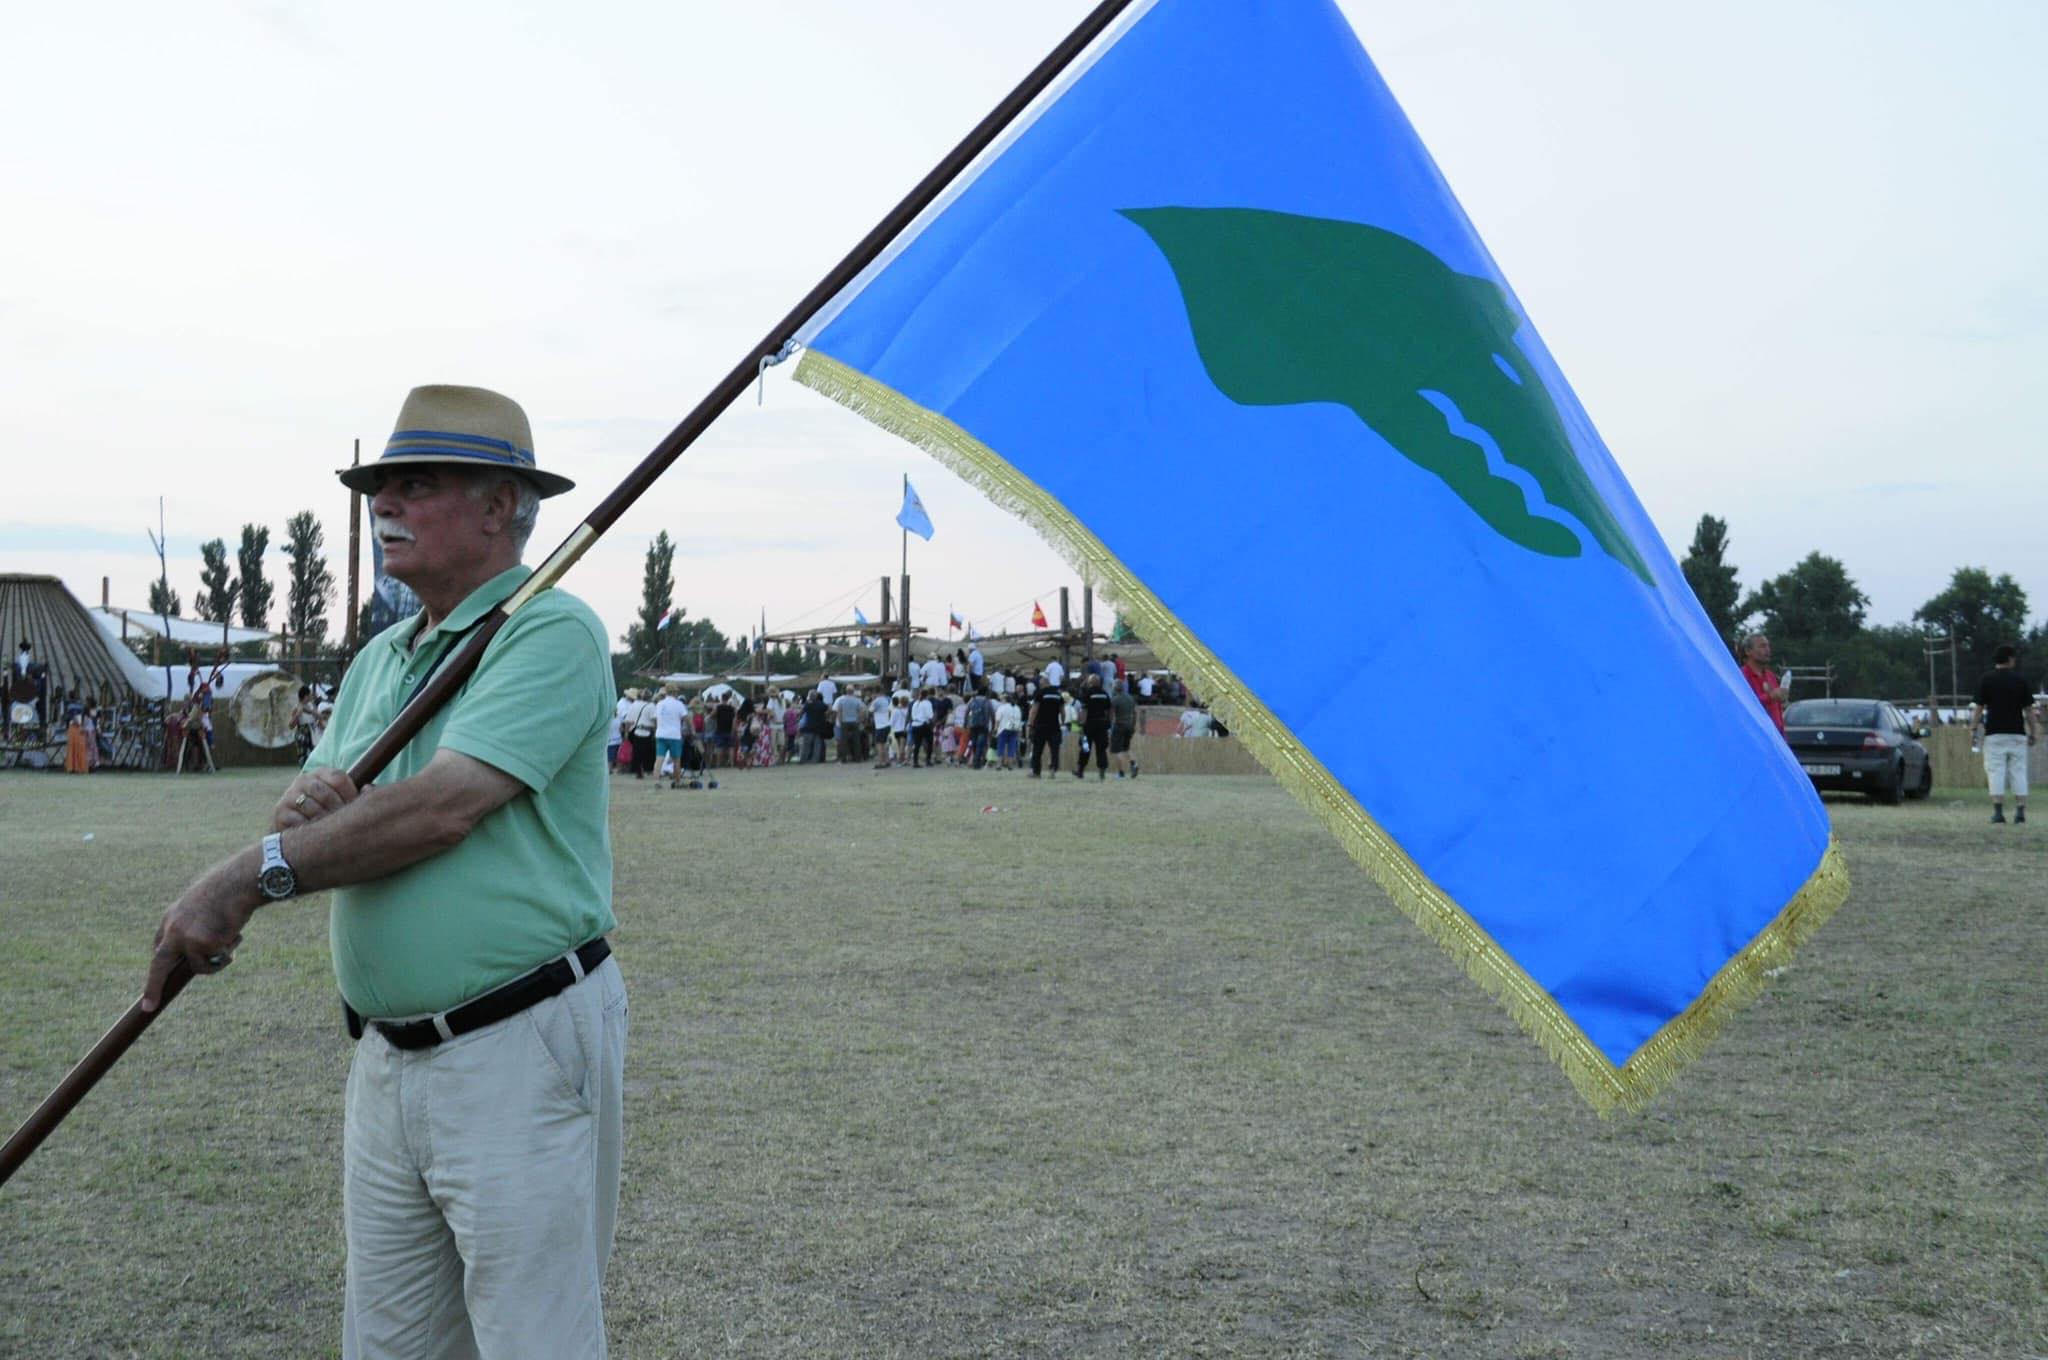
[{"x": 276, "y": 879}]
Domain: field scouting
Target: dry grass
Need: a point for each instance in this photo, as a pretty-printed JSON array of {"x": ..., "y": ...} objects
[{"x": 1136, "y": 1069}]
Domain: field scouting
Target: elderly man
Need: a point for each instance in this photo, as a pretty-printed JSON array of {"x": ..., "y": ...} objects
[
  {"x": 1763, "y": 681},
  {"x": 472, "y": 896}
]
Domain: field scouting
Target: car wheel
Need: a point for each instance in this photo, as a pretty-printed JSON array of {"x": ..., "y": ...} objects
[
  {"x": 1925, "y": 785},
  {"x": 1894, "y": 789}
]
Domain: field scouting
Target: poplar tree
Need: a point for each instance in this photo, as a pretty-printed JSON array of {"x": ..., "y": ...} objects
[
  {"x": 1711, "y": 577},
  {"x": 657, "y": 591},
  {"x": 312, "y": 584},
  {"x": 256, "y": 591},
  {"x": 217, "y": 588}
]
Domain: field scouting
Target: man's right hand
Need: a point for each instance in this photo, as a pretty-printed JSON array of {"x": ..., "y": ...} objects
[{"x": 312, "y": 796}]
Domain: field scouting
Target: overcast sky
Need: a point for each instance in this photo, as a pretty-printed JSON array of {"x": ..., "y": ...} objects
[{"x": 1789, "y": 255}]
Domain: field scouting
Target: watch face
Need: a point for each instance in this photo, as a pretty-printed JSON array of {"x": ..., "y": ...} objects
[{"x": 277, "y": 881}]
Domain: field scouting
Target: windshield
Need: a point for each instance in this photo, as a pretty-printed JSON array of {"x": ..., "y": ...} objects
[{"x": 1832, "y": 713}]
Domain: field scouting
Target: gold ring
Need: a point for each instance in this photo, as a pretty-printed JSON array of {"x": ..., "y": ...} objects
[{"x": 299, "y": 801}]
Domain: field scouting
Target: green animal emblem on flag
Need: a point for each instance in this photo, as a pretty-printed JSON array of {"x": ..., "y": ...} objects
[{"x": 1288, "y": 309}]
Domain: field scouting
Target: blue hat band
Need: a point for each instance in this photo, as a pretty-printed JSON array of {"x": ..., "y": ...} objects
[{"x": 446, "y": 444}]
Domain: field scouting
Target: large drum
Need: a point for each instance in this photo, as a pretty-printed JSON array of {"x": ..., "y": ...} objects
[{"x": 263, "y": 709}]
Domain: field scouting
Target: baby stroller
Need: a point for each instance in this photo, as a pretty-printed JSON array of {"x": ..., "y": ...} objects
[{"x": 691, "y": 766}]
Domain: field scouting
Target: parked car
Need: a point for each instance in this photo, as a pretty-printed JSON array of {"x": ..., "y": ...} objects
[{"x": 1859, "y": 746}]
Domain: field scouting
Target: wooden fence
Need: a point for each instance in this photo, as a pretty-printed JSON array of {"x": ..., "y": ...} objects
[{"x": 1956, "y": 766}]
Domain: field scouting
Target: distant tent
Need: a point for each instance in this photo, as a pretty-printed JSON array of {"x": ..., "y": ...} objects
[{"x": 83, "y": 661}]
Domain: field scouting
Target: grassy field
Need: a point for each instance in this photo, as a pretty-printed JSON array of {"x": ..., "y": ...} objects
[{"x": 1136, "y": 1069}]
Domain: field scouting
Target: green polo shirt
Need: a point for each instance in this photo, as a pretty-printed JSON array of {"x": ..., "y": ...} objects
[{"x": 534, "y": 879}]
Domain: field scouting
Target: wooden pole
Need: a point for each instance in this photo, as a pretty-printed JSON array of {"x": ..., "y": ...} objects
[
  {"x": 462, "y": 663},
  {"x": 885, "y": 626},
  {"x": 1066, "y": 640},
  {"x": 906, "y": 585},
  {"x": 903, "y": 598},
  {"x": 1088, "y": 617},
  {"x": 355, "y": 558}
]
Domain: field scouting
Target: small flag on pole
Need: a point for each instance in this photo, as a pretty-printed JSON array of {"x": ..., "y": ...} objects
[
  {"x": 859, "y": 617},
  {"x": 668, "y": 617},
  {"x": 1038, "y": 616},
  {"x": 912, "y": 515},
  {"x": 953, "y": 624}
]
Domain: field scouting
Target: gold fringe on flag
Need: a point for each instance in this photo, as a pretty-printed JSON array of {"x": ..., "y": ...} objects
[{"x": 1606, "y": 1086}]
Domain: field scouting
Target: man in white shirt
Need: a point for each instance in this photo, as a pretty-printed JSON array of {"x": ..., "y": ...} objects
[
  {"x": 878, "y": 714},
  {"x": 973, "y": 662},
  {"x": 1195, "y": 722},
  {"x": 828, "y": 691},
  {"x": 1054, "y": 673},
  {"x": 1145, "y": 688},
  {"x": 921, "y": 728},
  {"x": 670, "y": 712},
  {"x": 934, "y": 675}
]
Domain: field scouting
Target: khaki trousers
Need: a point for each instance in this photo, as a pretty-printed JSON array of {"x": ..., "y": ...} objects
[
  {"x": 2005, "y": 763},
  {"x": 481, "y": 1184}
]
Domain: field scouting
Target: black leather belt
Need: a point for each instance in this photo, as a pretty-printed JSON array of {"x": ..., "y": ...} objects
[{"x": 553, "y": 977}]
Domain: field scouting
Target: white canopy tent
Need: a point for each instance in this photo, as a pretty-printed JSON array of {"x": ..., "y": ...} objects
[
  {"x": 197, "y": 632},
  {"x": 168, "y": 680}
]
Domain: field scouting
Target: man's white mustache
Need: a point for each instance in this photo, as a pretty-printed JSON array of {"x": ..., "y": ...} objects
[{"x": 390, "y": 530}]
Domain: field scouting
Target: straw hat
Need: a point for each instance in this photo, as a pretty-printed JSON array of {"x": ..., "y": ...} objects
[{"x": 468, "y": 426}]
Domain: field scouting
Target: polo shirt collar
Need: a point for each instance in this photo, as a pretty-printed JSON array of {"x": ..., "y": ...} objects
[{"x": 474, "y": 606}]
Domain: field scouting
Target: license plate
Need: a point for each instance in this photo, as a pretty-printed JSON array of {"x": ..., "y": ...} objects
[{"x": 1821, "y": 769}]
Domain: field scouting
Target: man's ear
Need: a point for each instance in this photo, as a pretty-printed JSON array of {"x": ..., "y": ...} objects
[{"x": 500, "y": 506}]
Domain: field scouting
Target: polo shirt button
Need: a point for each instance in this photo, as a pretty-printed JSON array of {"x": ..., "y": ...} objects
[{"x": 410, "y": 678}]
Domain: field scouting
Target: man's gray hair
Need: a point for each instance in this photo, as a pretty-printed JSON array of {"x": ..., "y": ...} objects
[{"x": 525, "y": 505}]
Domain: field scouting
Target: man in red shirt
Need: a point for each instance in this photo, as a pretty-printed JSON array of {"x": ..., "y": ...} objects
[{"x": 1763, "y": 681}]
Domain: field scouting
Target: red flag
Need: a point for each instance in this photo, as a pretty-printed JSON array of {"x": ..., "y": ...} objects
[{"x": 1038, "y": 616}]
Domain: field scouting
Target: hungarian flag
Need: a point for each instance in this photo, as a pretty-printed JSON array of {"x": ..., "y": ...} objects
[
  {"x": 1037, "y": 614},
  {"x": 1217, "y": 255},
  {"x": 668, "y": 616}
]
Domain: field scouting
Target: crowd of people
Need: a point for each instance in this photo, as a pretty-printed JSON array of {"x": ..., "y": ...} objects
[{"x": 949, "y": 711}]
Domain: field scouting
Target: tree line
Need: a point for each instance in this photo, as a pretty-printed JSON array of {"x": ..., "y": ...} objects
[
  {"x": 1814, "y": 615},
  {"x": 689, "y": 644},
  {"x": 244, "y": 592}
]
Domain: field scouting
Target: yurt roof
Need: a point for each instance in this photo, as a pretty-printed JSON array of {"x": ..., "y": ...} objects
[{"x": 81, "y": 658}]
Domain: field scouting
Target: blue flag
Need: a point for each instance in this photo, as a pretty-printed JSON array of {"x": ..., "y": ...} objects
[
  {"x": 1217, "y": 258},
  {"x": 912, "y": 515}
]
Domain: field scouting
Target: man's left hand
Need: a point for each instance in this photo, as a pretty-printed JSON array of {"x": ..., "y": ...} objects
[{"x": 203, "y": 925}]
